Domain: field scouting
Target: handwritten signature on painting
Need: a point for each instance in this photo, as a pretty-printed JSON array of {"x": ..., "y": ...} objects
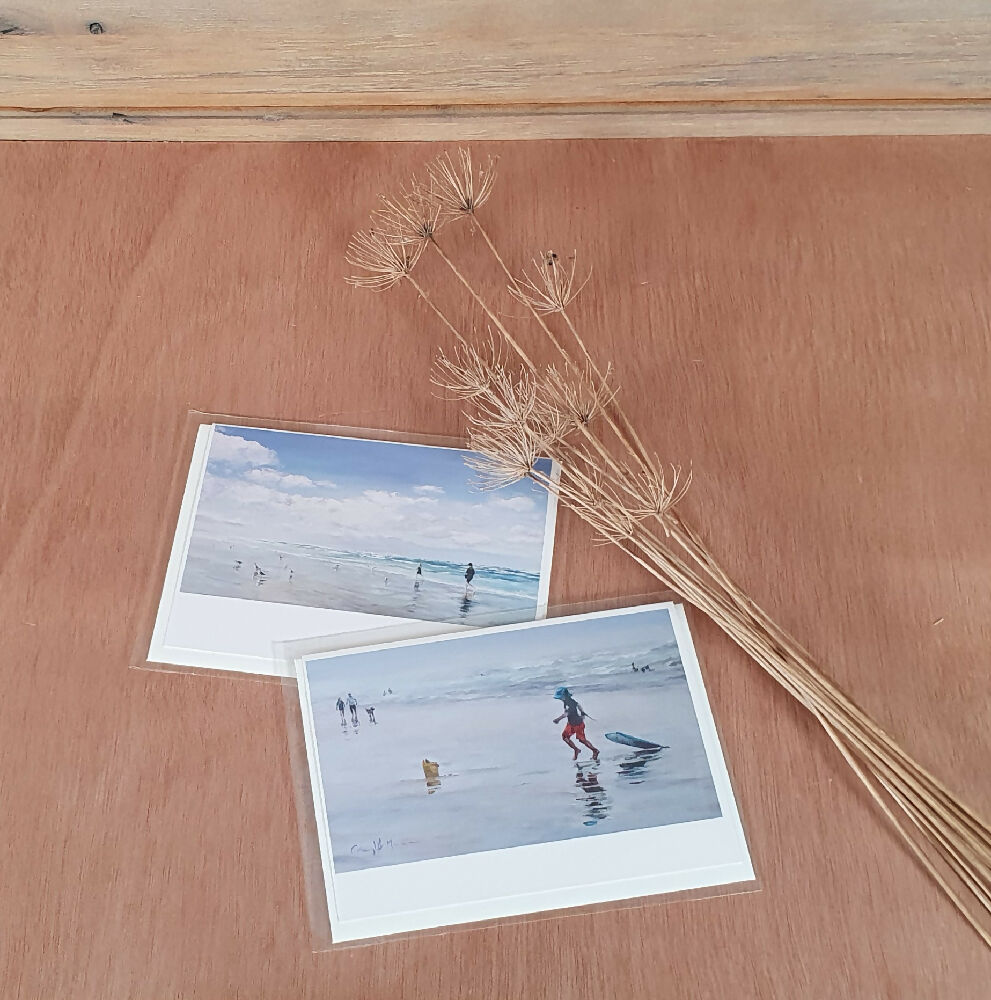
[{"x": 375, "y": 846}]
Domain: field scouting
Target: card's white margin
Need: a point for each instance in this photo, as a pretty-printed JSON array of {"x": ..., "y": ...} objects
[
  {"x": 547, "y": 552},
  {"x": 740, "y": 870},
  {"x": 159, "y": 651}
]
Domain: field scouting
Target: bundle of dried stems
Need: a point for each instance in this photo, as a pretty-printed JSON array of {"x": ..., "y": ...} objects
[{"x": 569, "y": 411}]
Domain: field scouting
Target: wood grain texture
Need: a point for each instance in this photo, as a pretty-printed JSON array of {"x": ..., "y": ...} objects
[
  {"x": 628, "y": 59},
  {"x": 599, "y": 121},
  {"x": 805, "y": 321}
]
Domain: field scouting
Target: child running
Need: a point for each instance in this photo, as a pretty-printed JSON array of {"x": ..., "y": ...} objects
[{"x": 576, "y": 722}]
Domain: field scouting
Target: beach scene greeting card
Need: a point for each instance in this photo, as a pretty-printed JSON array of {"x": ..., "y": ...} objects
[
  {"x": 284, "y": 534},
  {"x": 515, "y": 769}
]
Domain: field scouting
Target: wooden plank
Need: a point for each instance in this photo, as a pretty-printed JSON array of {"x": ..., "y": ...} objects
[
  {"x": 594, "y": 122},
  {"x": 627, "y": 58}
]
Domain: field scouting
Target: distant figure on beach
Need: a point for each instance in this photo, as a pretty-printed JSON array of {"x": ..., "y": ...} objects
[
  {"x": 635, "y": 669},
  {"x": 469, "y": 576},
  {"x": 371, "y": 714},
  {"x": 237, "y": 564},
  {"x": 645, "y": 668},
  {"x": 340, "y": 708},
  {"x": 353, "y": 706},
  {"x": 576, "y": 722},
  {"x": 390, "y": 690},
  {"x": 290, "y": 574},
  {"x": 419, "y": 577}
]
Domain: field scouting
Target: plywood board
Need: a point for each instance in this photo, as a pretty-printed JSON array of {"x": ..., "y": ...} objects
[{"x": 805, "y": 321}]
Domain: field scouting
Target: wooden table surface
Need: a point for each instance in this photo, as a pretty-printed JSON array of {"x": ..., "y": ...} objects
[{"x": 805, "y": 321}]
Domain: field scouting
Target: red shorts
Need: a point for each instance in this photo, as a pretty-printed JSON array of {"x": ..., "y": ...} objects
[{"x": 570, "y": 730}]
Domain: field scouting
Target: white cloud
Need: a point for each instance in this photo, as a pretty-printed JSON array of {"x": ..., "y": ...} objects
[
  {"x": 518, "y": 504},
  {"x": 396, "y": 501},
  {"x": 235, "y": 450},
  {"x": 437, "y": 490},
  {"x": 284, "y": 480}
]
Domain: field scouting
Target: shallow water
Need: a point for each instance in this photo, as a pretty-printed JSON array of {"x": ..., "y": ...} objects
[
  {"x": 506, "y": 778},
  {"x": 350, "y": 581}
]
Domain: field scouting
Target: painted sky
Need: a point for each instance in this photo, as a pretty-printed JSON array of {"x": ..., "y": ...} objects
[{"x": 366, "y": 496}]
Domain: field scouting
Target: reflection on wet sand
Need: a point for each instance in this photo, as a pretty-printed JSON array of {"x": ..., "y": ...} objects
[
  {"x": 634, "y": 768},
  {"x": 592, "y": 796}
]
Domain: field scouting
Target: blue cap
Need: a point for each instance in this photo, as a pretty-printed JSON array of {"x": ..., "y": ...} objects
[{"x": 561, "y": 693}]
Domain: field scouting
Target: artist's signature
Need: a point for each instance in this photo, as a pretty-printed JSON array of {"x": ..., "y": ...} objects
[{"x": 375, "y": 846}]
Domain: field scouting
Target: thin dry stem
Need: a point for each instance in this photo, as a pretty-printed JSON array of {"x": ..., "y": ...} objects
[
  {"x": 541, "y": 322},
  {"x": 437, "y": 311},
  {"x": 495, "y": 320}
]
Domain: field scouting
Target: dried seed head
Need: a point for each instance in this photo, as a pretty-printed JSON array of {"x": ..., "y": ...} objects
[
  {"x": 514, "y": 397},
  {"x": 466, "y": 374},
  {"x": 656, "y": 494},
  {"x": 460, "y": 188},
  {"x": 413, "y": 217},
  {"x": 506, "y": 454},
  {"x": 551, "y": 285},
  {"x": 384, "y": 262},
  {"x": 581, "y": 397},
  {"x": 550, "y": 424}
]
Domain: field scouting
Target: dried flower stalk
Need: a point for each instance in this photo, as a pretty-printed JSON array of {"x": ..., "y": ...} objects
[{"x": 569, "y": 412}]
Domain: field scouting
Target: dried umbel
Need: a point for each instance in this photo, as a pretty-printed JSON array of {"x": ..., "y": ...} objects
[
  {"x": 465, "y": 373},
  {"x": 380, "y": 262},
  {"x": 548, "y": 285},
  {"x": 506, "y": 453},
  {"x": 570, "y": 412},
  {"x": 412, "y": 217},
  {"x": 580, "y": 395},
  {"x": 461, "y": 187}
]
